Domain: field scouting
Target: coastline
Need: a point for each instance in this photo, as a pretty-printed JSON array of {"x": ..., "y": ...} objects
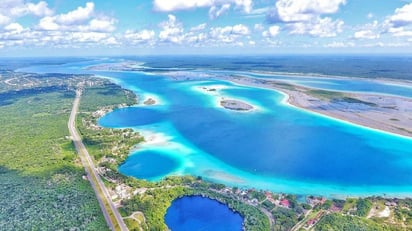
[
  {"x": 340, "y": 116},
  {"x": 245, "y": 179},
  {"x": 296, "y": 96}
]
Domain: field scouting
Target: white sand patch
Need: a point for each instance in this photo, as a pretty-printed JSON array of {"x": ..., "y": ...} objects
[
  {"x": 384, "y": 213},
  {"x": 157, "y": 99},
  {"x": 221, "y": 98},
  {"x": 210, "y": 89}
]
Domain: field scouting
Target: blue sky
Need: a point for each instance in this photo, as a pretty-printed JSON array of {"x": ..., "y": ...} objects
[{"x": 142, "y": 27}]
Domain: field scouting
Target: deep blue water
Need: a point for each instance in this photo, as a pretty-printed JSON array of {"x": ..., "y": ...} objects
[
  {"x": 279, "y": 142},
  {"x": 198, "y": 213},
  {"x": 276, "y": 147}
]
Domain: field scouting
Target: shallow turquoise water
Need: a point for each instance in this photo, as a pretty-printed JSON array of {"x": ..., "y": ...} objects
[
  {"x": 149, "y": 165},
  {"x": 272, "y": 146},
  {"x": 275, "y": 147}
]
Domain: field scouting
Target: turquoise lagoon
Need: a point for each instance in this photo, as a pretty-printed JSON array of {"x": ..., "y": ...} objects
[{"x": 274, "y": 147}]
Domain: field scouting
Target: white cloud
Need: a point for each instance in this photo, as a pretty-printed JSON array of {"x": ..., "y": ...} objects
[
  {"x": 15, "y": 27},
  {"x": 229, "y": 34},
  {"x": 17, "y": 8},
  {"x": 171, "y": 30},
  {"x": 40, "y": 9},
  {"x": 216, "y": 7},
  {"x": 167, "y": 5},
  {"x": 48, "y": 23},
  {"x": 240, "y": 29},
  {"x": 370, "y": 15},
  {"x": 402, "y": 16},
  {"x": 339, "y": 45},
  {"x": 78, "y": 28},
  {"x": 365, "y": 34},
  {"x": 400, "y": 23},
  {"x": 304, "y": 17},
  {"x": 82, "y": 19},
  {"x": 400, "y": 32},
  {"x": 215, "y": 11},
  {"x": 303, "y": 10},
  {"x": 81, "y": 14},
  {"x": 271, "y": 32},
  {"x": 320, "y": 27},
  {"x": 258, "y": 27},
  {"x": 144, "y": 36},
  {"x": 101, "y": 25},
  {"x": 199, "y": 27},
  {"x": 196, "y": 39},
  {"x": 4, "y": 19}
]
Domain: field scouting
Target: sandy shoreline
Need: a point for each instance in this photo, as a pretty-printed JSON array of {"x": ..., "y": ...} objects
[{"x": 387, "y": 113}]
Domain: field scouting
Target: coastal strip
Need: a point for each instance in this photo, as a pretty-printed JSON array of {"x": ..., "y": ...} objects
[{"x": 383, "y": 113}]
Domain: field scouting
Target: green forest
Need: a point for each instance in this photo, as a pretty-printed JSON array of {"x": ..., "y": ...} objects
[{"x": 41, "y": 184}]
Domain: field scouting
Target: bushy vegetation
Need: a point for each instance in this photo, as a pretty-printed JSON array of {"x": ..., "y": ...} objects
[
  {"x": 403, "y": 211},
  {"x": 254, "y": 219},
  {"x": 41, "y": 186},
  {"x": 338, "y": 222},
  {"x": 363, "y": 207},
  {"x": 159, "y": 196},
  {"x": 285, "y": 219},
  {"x": 154, "y": 204},
  {"x": 112, "y": 144}
]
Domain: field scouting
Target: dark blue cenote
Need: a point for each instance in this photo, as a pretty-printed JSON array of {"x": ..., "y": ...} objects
[{"x": 199, "y": 213}]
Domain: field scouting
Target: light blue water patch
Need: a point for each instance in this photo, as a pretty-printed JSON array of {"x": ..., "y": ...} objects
[
  {"x": 280, "y": 149},
  {"x": 149, "y": 165}
]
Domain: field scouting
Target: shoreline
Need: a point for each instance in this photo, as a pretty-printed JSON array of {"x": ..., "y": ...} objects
[
  {"x": 333, "y": 191},
  {"x": 341, "y": 118},
  {"x": 299, "y": 99}
]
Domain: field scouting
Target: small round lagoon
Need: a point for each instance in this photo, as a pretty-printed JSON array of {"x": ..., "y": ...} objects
[
  {"x": 200, "y": 213},
  {"x": 148, "y": 165}
]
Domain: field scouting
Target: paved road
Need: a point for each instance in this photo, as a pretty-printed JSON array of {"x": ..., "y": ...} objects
[{"x": 91, "y": 171}]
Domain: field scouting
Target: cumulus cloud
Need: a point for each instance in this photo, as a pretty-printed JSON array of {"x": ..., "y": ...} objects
[
  {"x": 402, "y": 16},
  {"x": 216, "y": 7},
  {"x": 271, "y": 32},
  {"x": 16, "y": 27},
  {"x": 199, "y": 27},
  {"x": 304, "y": 17},
  {"x": 4, "y": 19},
  {"x": 79, "y": 27},
  {"x": 17, "y": 8},
  {"x": 171, "y": 30},
  {"x": 139, "y": 37},
  {"x": 365, "y": 34},
  {"x": 215, "y": 12},
  {"x": 229, "y": 34},
  {"x": 258, "y": 27},
  {"x": 81, "y": 19},
  {"x": 77, "y": 16},
  {"x": 400, "y": 23},
  {"x": 400, "y": 32},
  {"x": 298, "y": 10},
  {"x": 40, "y": 9},
  {"x": 339, "y": 44},
  {"x": 319, "y": 27}
]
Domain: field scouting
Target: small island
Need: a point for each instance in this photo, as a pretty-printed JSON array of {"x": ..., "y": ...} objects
[
  {"x": 149, "y": 101},
  {"x": 235, "y": 105}
]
